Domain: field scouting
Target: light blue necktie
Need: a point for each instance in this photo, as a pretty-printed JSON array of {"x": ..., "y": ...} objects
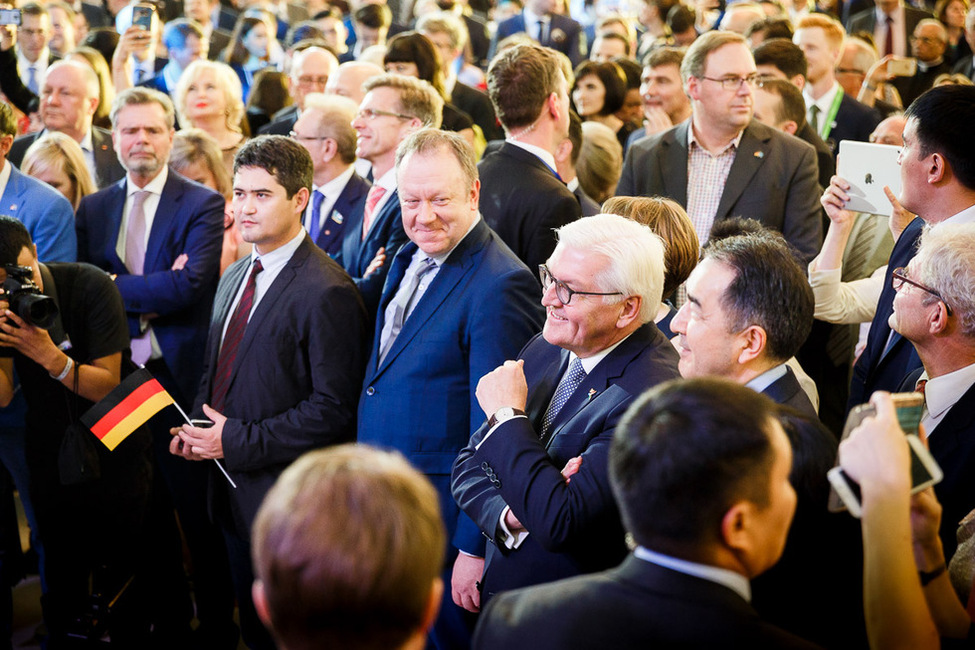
[{"x": 402, "y": 304}]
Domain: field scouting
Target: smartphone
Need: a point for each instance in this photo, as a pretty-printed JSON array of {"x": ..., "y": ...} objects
[
  {"x": 201, "y": 424},
  {"x": 142, "y": 15},
  {"x": 10, "y": 17},
  {"x": 925, "y": 472},
  {"x": 902, "y": 66}
]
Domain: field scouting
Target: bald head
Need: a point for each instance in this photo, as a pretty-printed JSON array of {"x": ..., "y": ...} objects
[
  {"x": 890, "y": 131},
  {"x": 69, "y": 98},
  {"x": 349, "y": 78},
  {"x": 310, "y": 71}
]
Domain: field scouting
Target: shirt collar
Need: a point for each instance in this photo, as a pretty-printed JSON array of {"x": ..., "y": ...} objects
[
  {"x": 896, "y": 14},
  {"x": 155, "y": 186},
  {"x": 387, "y": 181},
  {"x": 692, "y": 140},
  {"x": 440, "y": 259},
  {"x": 943, "y": 392},
  {"x": 965, "y": 216},
  {"x": 334, "y": 187},
  {"x": 825, "y": 102},
  {"x": 40, "y": 64},
  {"x": 531, "y": 17},
  {"x": 4, "y": 176},
  {"x": 86, "y": 144},
  {"x": 734, "y": 581},
  {"x": 767, "y": 378},
  {"x": 589, "y": 363},
  {"x": 280, "y": 255},
  {"x": 545, "y": 156}
]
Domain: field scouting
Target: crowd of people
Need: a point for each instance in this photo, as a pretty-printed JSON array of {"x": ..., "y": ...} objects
[{"x": 530, "y": 323}]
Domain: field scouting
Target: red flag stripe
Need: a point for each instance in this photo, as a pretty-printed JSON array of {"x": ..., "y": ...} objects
[{"x": 131, "y": 402}]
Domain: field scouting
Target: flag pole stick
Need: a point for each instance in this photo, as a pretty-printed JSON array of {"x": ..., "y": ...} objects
[{"x": 216, "y": 460}]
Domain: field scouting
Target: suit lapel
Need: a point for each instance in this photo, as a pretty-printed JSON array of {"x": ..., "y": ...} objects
[
  {"x": 11, "y": 201},
  {"x": 116, "y": 205},
  {"x": 166, "y": 214},
  {"x": 229, "y": 285},
  {"x": 672, "y": 163},
  {"x": 548, "y": 381},
  {"x": 748, "y": 160}
]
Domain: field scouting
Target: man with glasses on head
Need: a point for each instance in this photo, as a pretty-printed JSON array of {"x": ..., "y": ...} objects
[
  {"x": 325, "y": 130},
  {"x": 721, "y": 163},
  {"x": 310, "y": 70},
  {"x": 534, "y": 478},
  {"x": 934, "y": 309}
]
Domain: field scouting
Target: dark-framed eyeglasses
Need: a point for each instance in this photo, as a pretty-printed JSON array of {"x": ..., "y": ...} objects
[
  {"x": 562, "y": 290},
  {"x": 899, "y": 277},
  {"x": 370, "y": 114},
  {"x": 306, "y": 138},
  {"x": 734, "y": 83}
]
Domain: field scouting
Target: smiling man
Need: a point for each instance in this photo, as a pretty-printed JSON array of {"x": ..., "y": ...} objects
[
  {"x": 456, "y": 304},
  {"x": 561, "y": 400},
  {"x": 277, "y": 382},
  {"x": 721, "y": 163}
]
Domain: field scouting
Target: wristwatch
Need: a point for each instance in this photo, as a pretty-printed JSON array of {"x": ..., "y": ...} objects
[{"x": 502, "y": 414}]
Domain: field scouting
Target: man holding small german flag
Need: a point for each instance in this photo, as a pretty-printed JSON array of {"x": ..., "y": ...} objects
[{"x": 64, "y": 325}]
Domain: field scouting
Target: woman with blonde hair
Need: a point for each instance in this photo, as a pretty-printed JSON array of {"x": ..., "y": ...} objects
[
  {"x": 600, "y": 161},
  {"x": 681, "y": 246},
  {"x": 197, "y": 156},
  {"x": 57, "y": 159},
  {"x": 106, "y": 88},
  {"x": 208, "y": 97}
]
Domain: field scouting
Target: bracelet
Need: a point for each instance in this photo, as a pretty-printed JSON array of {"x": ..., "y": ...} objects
[
  {"x": 927, "y": 577},
  {"x": 869, "y": 87},
  {"x": 64, "y": 373}
]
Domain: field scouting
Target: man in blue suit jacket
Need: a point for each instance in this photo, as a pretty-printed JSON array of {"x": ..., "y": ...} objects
[
  {"x": 434, "y": 338},
  {"x": 554, "y": 411},
  {"x": 394, "y": 107},
  {"x": 325, "y": 130},
  {"x": 167, "y": 295},
  {"x": 556, "y": 31}
]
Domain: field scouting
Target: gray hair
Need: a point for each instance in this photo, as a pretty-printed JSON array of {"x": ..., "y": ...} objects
[
  {"x": 333, "y": 115},
  {"x": 635, "y": 256},
  {"x": 946, "y": 263},
  {"x": 140, "y": 96},
  {"x": 430, "y": 140},
  {"x": 417, "y": 98}
]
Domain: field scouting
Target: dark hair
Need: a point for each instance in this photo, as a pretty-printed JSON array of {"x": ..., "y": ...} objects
[
  {"x": 102, "y": 39},
  {"x": 631, "y": 70},
  {"x": 520, "y": 80},
  {"x": 784, "y": 55},
  {"x": 684, "y": 453},
  {"x": 414, "y": 47},
  {"x": 236, "y": 53},
  {"x": 575, "y": 136},
  {"x": 269, "y": 91},
  {"x": 281, "y": 157},
  {"x": 8, "y": 123},
  {"x": 772, "y": 27},
  {"x": 681, "y": 18},
  {"x": 735, "y": 226},
  {"x": 33, "y": 9},
  {"x": 937, "y": 115},
  {"x": 177, "y": 32},
  {"x": 613, "y": 80},
  {"x": 13, "y": 238},
  {"x": 791, "y": 104},
  {"x": 373, "y": 16},
  {"x": 305, "y": 30},
  {"x": 615, "y": 36},
  {"x": 770, "y": 289}
]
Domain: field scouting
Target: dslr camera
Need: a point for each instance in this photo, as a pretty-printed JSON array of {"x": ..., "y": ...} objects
[{"x": 25, "y": 298}]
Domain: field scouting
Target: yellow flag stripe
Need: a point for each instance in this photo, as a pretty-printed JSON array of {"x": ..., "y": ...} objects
[{"x": 136, "y": 419}]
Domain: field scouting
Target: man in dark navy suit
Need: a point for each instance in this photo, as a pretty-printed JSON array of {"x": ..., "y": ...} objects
[
  {"x": 325, "y": 130},
  {"x": 456, "y": 304},
  {"x": 939, "y": 186},
  {"x": 545, "y": 27},
  {"x": 559, "y": 405},
  {"x": 285, "y": 354}
]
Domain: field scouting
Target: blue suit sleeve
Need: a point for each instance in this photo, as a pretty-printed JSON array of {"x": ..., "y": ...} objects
[{"x": 53, "y": 230}]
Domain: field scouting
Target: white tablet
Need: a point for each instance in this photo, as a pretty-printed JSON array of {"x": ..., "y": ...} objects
[{"x": 868, "y": 167}]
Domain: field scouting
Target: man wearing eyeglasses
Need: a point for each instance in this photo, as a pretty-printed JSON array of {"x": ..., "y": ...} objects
[
  {"x": 721, "y": 163},
  {"x": 310, "y": 70},
  {"x": 938, "y": 181},
  {"x": 554, "y": 410},
  {"x": 928, "y": 44},
  {"x": 934, "y": 309},
  {"x": 325, "y": 130}
]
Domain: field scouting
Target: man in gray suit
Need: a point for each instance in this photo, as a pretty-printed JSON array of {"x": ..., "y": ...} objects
[{"x": 721, "y": 163}]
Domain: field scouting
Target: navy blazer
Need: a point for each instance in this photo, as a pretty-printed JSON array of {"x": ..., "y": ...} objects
[
  {"x": 46, "y": 214},
  {"x": 108, "y": 170},
  {"x": 854, "y": 121},
  {"x": 787, "y": 390},
  {"x": 352, "y": 200},
  {"x": 293, "y": 388},
  {"x": 479, "y": 310},
  {"x": 356, "y": 253},
  {"x": 882, "y": 366},
  {"x": 189, "y": 219},
  {"x": 635, "y": 605},
  {"x": 573, "y": 527},
  {"x": 564, "y": 35},
  {"x": 774, "y": 179}
]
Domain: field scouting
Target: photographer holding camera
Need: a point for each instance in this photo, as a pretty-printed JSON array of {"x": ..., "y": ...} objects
[{"x": 65, "y": 327}]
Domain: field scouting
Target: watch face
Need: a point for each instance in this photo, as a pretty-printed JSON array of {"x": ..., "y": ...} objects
[{"x": 505, "y": 412}]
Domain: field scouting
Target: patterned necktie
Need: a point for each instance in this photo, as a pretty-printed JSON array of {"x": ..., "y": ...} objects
[
  {"x": 402, "y": 304},
  {"x": 570, "y": 382},
  {"x": 315, "y": 221},
  {"x": 372, "y": 199},
  {"x": 889, "y": 39},
  {"x": 232, "y": 339},
  {"x": 135, "y": 234}
]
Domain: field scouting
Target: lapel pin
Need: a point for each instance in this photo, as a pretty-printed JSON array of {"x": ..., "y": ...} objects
[
  {"x": 592, "y": 393},
  {"x": 759, "y": 154},
  {"x": 13, "y": 206}
]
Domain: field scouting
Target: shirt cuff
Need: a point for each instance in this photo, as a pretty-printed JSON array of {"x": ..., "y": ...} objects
[
  {"x": 511, "y": 541},
  {"x": 492, "y": 430}
]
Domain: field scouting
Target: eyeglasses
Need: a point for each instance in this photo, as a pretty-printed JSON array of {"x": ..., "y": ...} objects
[
  {"x": 899, "y": 277},
  {"x": 312, "y": 81},
  {"x": 306, "y": 138},
  {"x": 562, "y": 291},
  {"x": 371, "y": 113},
  {"x": 927, "y": 40},
  {"x": 734, "y": 83}
]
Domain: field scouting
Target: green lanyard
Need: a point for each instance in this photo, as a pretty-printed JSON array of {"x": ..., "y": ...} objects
[{"x": 831, "y": 116}]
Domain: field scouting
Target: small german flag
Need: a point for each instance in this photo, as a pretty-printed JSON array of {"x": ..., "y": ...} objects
[{"x": 126, "y": 408}]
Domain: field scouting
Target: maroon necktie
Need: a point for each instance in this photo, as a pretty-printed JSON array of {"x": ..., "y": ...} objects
[
  {"x": 232, "y": 339},
  {"x": 889, "y": 39}
]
